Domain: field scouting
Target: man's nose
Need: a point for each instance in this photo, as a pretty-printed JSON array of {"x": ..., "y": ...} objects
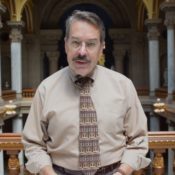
[{"x": 82, "y": 50}]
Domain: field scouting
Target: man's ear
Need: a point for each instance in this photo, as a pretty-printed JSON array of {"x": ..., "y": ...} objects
[{"x": 104, "y": 45}]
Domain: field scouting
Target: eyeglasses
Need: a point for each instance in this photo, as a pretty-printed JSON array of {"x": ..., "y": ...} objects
[{"x": 90, "y": 45}]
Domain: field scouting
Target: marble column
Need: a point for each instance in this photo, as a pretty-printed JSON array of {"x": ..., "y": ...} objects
[
  {"x": 16, "y": 72},
  {"x": 169, "y": 8},
  {"x": 16, "y": 56},
  {"x": 153, "y": 46},
  {"x": 17, "y": 127},
  {"x": 53, "y": 61},
  {"x": 154, "y": 122},
  {"x": 49, "y": 42},
  {"x": 121, "y": 43},
  {"x": 119, "y": 56},
  {"x": 2, "y": 10},
  {"x": 1, "y": 152}
]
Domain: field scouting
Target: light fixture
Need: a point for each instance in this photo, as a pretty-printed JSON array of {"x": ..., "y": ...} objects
[
  {"x": 159, "y": 106},
  {"x": 10, "y": 108}
]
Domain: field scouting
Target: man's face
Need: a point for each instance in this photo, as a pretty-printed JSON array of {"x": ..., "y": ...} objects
[{"x": 83, "y": 47}]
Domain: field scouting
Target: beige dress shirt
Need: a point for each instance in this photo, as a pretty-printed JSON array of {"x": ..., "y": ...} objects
[{"x": 51, "y": 131}]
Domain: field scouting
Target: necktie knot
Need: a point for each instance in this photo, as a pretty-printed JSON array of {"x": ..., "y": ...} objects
[{"x": 84, "y": 82}]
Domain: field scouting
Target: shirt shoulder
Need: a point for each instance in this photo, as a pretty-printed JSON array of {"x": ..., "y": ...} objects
[
  {"x": 53, "y": 81},
  {"x": 113, "y": 80},
  {"x": 109, "y": 74}
]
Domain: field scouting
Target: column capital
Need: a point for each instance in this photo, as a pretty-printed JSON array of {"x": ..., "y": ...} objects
[
  {"x": 153, "y": 25},
  {"x": 2, "y": 10},
  {"x": 169, "y": 8},
  {"x": 16, "y": 27},
  {"x": 120, "y": 36},
  {"x": 53, "y": 55}
]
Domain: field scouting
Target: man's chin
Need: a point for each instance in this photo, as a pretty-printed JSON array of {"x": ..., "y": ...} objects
[{"x": 83, "y": 73}]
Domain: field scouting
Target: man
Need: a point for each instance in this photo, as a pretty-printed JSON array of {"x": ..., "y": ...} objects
[{"x": 58, "y": 140}]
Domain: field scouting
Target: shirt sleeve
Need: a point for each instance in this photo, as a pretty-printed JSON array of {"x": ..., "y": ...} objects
[
  {"x": 32, "y": 137},
  {"x": 135, "y": 124}
]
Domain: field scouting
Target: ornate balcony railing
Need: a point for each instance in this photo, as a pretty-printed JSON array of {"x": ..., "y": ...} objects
[
  {"x": 8, "y": 94},
  {"x": 28, "y": 93},
  {"x": 159, "y": 142},
  {"x": 162, "y": 93}
]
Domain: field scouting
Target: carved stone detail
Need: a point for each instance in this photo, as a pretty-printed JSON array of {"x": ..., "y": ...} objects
[
  {"x": 153, "y": 25},
  {"x": 13, "y": 162},
  {"x": 169, "y": 8},
  {"x": 16, "y": 27},
  {"x": 158, "y": 161},
  {"x": 53, "y": 56},
  {"x": 2, "y": 10},
  {"x": 120, "y": 36},
  {"x": 170, "y": 19}
]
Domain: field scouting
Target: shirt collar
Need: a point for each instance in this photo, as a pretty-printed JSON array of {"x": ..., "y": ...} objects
[{"x": 73, "y": 77}]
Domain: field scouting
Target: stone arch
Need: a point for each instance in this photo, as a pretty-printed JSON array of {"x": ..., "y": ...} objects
[
  {"x": 118, "y": 12},
  {"x": 117, "y": 15}
]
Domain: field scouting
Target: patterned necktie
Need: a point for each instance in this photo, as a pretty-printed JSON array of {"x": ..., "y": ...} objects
[{"x": 89, "y": 150}]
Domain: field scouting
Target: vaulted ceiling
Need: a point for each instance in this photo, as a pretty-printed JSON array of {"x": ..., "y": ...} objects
[{"x": 52, "y": 13}]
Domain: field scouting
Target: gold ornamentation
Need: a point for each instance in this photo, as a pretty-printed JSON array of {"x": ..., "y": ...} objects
[
  {"x": 101, "y": 61},
  {"x": 13, "y": 163},
  {"x": 158, "y": 161},
  {"x": 159, "y": 106}
]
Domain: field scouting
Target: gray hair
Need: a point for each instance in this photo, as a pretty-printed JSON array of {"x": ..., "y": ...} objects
[{"x": 88, "y": 17}]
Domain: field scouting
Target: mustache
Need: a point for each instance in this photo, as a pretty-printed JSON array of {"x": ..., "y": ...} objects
[{"x": 81, "y": 58}]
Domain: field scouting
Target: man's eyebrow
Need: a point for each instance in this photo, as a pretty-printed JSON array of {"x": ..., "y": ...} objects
[
  {"x": 92, "y": 39},
  {"x": 76, "y": 38}
]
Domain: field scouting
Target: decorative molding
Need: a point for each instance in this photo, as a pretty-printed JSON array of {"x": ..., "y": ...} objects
[
  {"x": 157, "y": 141},
  {"x": 16, "y": 28},
  {"x": 11, "y": 141},
  {"x": 161, "y": 140},
  {"x": 169, "y": 8},
  {"x": 120, "y": 36},
  {"x": 2, "y": 111},
  {"x": 53, "y": 56},
  {"x": 13, "y": 162},
  {"x": 50, "y": 35},
  {"x": 153, "y": 26},
  {"x": 2, "y": 10}
]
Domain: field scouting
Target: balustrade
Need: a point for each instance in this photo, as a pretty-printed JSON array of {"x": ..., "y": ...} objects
[
  {"x": 159, "y": 142},
  {"x": 28, "y": 93},
  {"x": 8, "y": 94},
  {"x": 163, "y": 92}
]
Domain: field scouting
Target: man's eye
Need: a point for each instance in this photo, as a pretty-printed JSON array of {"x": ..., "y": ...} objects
[
  {"x": 75, "y": 43},
  {"x": 90, "y": 44}
]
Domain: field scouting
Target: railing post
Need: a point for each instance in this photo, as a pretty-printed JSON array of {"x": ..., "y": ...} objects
[
  {"x": 171, "y": 127},
  {"x": 17, "y": 128},
  {"x": 158, "y": 162},
  {"x": 1, "y": 151},
  {"x": 174, "y": 162},
  {"x": 13, "y": 163}
]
